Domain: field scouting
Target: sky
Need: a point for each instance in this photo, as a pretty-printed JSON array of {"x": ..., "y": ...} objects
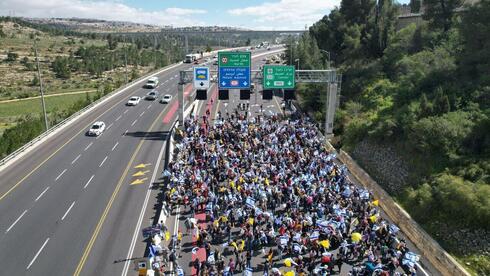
[{"x": 249, "y": 14}]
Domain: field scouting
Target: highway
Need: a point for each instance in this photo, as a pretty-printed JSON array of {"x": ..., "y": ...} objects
[
  {"x": 68, "y": 207},
  {"x": 175, "y": 221}
]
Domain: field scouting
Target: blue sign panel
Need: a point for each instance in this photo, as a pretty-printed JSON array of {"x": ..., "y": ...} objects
[
  {"x": 201, "y": 77},
  {"x": 234, "y": 77}
]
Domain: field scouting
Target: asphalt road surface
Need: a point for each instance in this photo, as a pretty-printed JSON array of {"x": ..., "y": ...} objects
[{"x": 68, "y": 207}]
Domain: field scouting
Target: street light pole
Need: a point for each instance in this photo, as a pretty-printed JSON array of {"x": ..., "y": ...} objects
[
  {"x": 297, "y": 62},
  {"x": 41, "y": 88}
]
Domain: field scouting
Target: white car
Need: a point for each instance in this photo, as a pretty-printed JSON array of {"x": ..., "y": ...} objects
[
  {"x": 166, "y": 99},
  {"x": 96, "y": 129},
  {"x": 133, "y": 101}
]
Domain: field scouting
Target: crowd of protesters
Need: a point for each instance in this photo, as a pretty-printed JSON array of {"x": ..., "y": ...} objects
[{"x": 277, "y": 203}]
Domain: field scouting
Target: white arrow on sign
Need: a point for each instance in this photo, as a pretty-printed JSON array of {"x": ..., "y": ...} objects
[
  {"x": 268, "y": 83},
  {"x": 245, "y": 83},
  {"x": 289, "y": 83},
  {"x": 223, "y": 83}
]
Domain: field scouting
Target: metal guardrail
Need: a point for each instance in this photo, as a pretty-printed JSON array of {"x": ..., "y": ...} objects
[{"x": 73, "y": 116}]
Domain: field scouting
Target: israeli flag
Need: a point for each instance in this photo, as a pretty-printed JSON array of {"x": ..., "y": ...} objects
[
  {"x": 180, "y": 272},
  {"x": 364, "y": 194},
  {"x": 153, "y": 251},
  {"x": 315, "y": 236},
  {"x": 284, "y": 240},
  {"x": 394, "y": 229},
  {"x": 250, "y": 202},
  {"x": 347, "y": 192}
]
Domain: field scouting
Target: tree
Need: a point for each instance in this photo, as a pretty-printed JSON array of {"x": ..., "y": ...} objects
[
  {"x": 61, "y": 67},
  {"x": 425, "y": 106},
  {"x": 208, "y": 48},
  {"x": 248, "y": 42},
  {"x": 475, "y": 31},
  {"x": 35, "y": 81},
  {"x": 2, "y": 33},
  {"x": 441, "y": 102},
  {"x": 11, "y": 57},
  {"x": 414, "y": 6},
  {"x": 440, "y": 13},
  {"x": 111, "y": 42}
]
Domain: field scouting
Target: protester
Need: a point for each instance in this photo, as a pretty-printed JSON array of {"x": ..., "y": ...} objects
[{"x": 274, "y": 197}]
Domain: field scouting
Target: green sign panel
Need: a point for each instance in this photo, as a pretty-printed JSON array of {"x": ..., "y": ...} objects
[
  {"x": 279, "y": 77},
  {"x": 234, "y": 59}
]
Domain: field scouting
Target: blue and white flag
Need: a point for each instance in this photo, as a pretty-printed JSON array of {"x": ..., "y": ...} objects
[
  {"x": 250, "y": 202},
  {"x": 315, "y": 236}
]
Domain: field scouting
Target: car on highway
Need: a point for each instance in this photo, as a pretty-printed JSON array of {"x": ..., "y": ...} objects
[
  {"x": 133, "y": 101},
  {"x": 166, "y": 99},
  {"x": 96, "y": 129},
  {"x": 152, "y": 95},
  {"x": 268, "y": 48},
  {"x": 151, "y": 83}
]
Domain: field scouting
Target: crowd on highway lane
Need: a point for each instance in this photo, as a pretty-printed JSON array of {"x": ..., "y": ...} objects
[{"x": 276, "y": 202}]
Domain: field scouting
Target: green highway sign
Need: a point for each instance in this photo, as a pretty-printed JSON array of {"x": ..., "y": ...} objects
[
  {"x": 234, "y": 59},
  {"x": 279, "y": 77}
]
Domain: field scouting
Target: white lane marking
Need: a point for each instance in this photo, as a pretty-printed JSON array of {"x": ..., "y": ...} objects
[
  {"x": 75, "y": 160},
  {"x": 67, "y": 211},
  {"x": 15, "y": 222},
  {"x": 37, "y": 254},
  {"x": 117, "y": 119},
  {"x": 148, "y": 107},
  {"x": 102, "y": 163},
  {"x": 109, "y": 126},
  {"x": 176, "y": 76},
  {"x": 126, "y": 132},
  {"x": 126, "y": 111},
  {"x": 88, "y": 182},
  {"x": 171, "y": 78},
  {"x": 165, "y": 81},
  {"x": 142, "y": 113},
  {"x": 58, "y": 177},
  {"x": 132, "y": 124},
  {"x": 142, "y": 213},
  {"x": 89, "y": 145},
  {"x": 38, "y": 197},
  {"x": 114, "y": 147}
]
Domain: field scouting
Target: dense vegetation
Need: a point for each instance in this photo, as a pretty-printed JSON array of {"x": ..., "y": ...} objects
[{"x": 423, "y": 90}]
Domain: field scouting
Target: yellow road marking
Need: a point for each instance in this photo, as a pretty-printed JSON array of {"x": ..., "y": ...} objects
[
  {"x": 56, "y": 151},
  {"x": 141, "y": 166},
  {"x": 109, "y": 204},
  {"x": 139, "y": 181},
  {"x": 140, "y": 173}
]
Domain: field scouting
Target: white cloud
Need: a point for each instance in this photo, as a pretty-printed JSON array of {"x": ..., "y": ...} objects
[
  {"x": 105, "y": 9},
  {"x": 287, "y": 14}
]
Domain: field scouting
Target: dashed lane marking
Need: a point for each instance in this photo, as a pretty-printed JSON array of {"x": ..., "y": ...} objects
[
  {"x": 38, "y": 197},
  {"x": 15, "y": 222},
  {"x": 58, "y": 177},
  {"x": 37, "y": 254}
]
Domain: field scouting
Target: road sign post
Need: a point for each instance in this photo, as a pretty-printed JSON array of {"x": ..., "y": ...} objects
[
  {"x": 201, "y": 78},
  {"x": 279, "y": 77},
  {"x": 234, "y": 70}
]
